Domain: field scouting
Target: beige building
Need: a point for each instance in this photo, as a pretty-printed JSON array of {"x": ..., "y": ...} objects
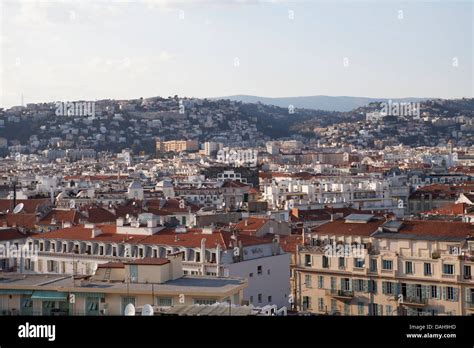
[
  {"x": 176, "y": 146},
  {"x": 365, "y": 265},
  {"x": 158, "y": 282}
]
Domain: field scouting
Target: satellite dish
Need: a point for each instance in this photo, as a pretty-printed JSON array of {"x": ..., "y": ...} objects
[
  {"x": 129, "y": 310},
  {"x": 72, "y": 204},
  {"x": 19, "y": 207},
  {"x": 147, "y": 310}
]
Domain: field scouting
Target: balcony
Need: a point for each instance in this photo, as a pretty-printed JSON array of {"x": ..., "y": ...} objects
[
  {"x": 341, "y": 294},
  {"x": 415, "y": 301}
]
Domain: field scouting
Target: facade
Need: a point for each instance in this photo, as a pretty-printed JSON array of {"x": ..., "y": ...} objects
[
  {"x": 204, "y": 252},
  {"x": 389, "y": 268},
  {"x": 158, "y": 282},
  {"x": 177, "y": 146}
]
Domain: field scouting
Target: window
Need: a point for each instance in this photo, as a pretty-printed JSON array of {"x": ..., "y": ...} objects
[
  {"x": 325, "y": 261},
  {"x": 333, "y": 305},
  {"x": 372, "y": 286},
  {"x": 268, "y": 272},
  {"x": 358, "y": 285},
  {"x": 388, "y": 310},
  {"x": 448, "y": 268},
  {"x": 269, "y": 299},
  {"x": 360, "y": 308},
  {"x": 307, "y": 280},
  {"x": 251, "y": 299},
  {"x": 373, "y": 265},
  {"x": 307, "y": 260},
  {"x": 259, "y": 298},
  {"x": 320, "y": 282},
  {"x": 345, "y": 284},
  {"x": 450, "y": 296},
  {"x": 342, "y": 263},
  {"x": 259, "y": 270},
  {"x": 306, "y": 303},
  {"x": 250, "y": 275},
  {"x": 359, "y": 263},
  {"x": 333, "y": 283},
  {"x": 388, "y": 288},
  {"x": 427, "y": 269},
  {"x": 467, "y": 272},
  {"x": 387, "y": 265},
  {"x": 164, "y": 301},
  {"x": 409, "y": 267},
  {"x": 321, "y": 304},
  {"x": 434, "y": 291}
]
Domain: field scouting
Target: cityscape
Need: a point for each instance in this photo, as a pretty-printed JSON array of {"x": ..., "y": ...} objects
[{"x": 175, "y": 195}]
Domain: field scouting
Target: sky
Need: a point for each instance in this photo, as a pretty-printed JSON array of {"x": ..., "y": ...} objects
[{"x": 88, "y": 50}]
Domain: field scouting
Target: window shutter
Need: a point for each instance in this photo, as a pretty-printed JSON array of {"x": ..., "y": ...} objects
[
  {"x": 398, "y": 289},
  {"x": 380, "y": 310},
  {"x": 410, "y": 292},
  {"x": 426, "y": 291},
  {"x": 444, "y": 292},
  {"x": 384, "y": 287},
  {"x": 468, "y": 295},
  {"x": 342, "y": 283},
  {"x": 456, "y": 294},
  {"x": 438, "y": 292},
  {"x": 366, "y": 286},
  {"x": 354, "y": 285}
]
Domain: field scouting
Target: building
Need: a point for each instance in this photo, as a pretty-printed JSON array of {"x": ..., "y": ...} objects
[
  {"x": 365, "y": 265},
  {"x": 177, "y": 146},
  {"x": 204, "y": 251},
  {"x": 159, "y": 282}
]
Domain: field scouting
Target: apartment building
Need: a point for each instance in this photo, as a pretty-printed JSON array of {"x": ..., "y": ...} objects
[
  {"x": 204, "y": 251},
  {"x": 367, "y": 265},
  {"x": 362, "y": 193},
  {"x": 177, "y": 146},
  {"x": 155, "y": 281}
]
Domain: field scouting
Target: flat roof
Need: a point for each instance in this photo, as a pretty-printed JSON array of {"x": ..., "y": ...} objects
[{"x": 187, "y": 284}]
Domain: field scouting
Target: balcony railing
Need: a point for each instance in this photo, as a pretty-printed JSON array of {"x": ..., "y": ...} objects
[
  {"x": 416, "y": 301},
  {"x": 346, "y": 294}
]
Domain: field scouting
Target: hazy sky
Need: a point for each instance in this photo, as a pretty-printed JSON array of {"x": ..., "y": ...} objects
[{"x": 70, "y": 50}]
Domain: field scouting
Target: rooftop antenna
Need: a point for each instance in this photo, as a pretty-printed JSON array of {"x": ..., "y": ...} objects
[{"x": 18, "y": 208}]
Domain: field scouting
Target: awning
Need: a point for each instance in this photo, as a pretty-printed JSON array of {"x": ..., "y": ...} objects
[
  {"x": 49, "y": 295},
  {"x": 15, "y": 292}
]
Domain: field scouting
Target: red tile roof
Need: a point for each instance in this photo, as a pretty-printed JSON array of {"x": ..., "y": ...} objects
[
  {"x": 60, "y": 215},
  {"x": 192, "y": 238},
  {"x": 340, "y": 227},
  {"x": 250, "y": 225},
  {"x": 12, "y": 233},
  {"x": 437, "y": 228},
  {"x": 100, "y": 215},
  {"x": 30, "y": 205}
]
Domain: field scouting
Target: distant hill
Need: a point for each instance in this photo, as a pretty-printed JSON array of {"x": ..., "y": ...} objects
[{"x": 317, "y": 102}]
